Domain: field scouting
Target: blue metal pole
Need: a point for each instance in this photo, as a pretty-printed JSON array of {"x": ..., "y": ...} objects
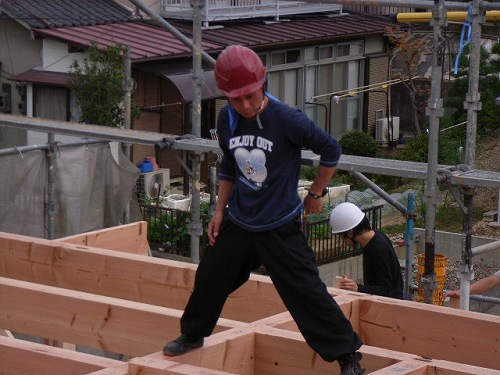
[{"x": 409, "y": 237}]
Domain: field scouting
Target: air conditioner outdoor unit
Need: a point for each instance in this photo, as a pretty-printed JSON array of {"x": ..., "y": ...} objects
[
  {"x": 382, "y": 129},
  {"x": 154, "y": 183},
  {"x": 5, "y": 104}
]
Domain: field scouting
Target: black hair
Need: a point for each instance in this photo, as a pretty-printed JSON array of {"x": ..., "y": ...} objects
[{"x": 362, "y": 227}]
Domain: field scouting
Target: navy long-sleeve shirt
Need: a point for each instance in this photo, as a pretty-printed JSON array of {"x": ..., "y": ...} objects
[{"x": 265, "y": 163}]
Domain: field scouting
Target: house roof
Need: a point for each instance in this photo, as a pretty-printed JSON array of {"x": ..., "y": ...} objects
[
  {"x": 151, "y": 42},
  {"x": 43, "y": 77},
  {"x": 146, "y": 41},
  {"x": 299, "y": 29},
  {"x": 53, "y": 14}
]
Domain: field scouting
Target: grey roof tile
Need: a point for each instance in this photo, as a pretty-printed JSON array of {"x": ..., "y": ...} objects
[{"x": 62, "y": 13}]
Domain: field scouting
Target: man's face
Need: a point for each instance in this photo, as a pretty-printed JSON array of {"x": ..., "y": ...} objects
[{"x": 248, "y": 105}]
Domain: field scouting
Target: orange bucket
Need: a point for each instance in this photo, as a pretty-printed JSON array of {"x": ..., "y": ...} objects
[{"x": 440, "y": 271}]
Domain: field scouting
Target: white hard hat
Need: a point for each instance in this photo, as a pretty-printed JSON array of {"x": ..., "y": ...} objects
[{"x": 345, "y": 217}]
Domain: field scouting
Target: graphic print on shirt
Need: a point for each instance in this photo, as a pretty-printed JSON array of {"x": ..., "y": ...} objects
[{"x": 252, "y": 164}]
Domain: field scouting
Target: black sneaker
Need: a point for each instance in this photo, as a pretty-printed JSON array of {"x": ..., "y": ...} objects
[
  {"x": 349, "y": 364},
  {"x": 182, "y": 345}
]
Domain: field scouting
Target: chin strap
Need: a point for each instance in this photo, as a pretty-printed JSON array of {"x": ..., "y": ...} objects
[
  {"x": 235, "y": 116},
  {"x": 259, "y": 123}
]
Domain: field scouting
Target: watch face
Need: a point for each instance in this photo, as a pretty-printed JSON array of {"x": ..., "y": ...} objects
[{"x": 316, "y": 196}]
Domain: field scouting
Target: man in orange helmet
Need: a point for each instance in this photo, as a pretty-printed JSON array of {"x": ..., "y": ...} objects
[{"x": 258, "y": 213}]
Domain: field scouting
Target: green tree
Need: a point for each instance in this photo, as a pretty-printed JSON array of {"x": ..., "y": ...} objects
[
  {"x": 409, "y": 48},
  {"x": 98, "y": 83},
  {"x": 489, "y": 89}
]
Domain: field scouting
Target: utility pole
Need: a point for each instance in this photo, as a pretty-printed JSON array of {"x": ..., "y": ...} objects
[{"x": 434, "y": 111}]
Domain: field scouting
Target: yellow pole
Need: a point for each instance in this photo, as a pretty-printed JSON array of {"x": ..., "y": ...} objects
[{"x": 491, "y": 15}]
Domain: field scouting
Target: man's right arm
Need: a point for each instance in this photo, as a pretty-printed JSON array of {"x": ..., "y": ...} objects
[{"x": 224, "y": 193}]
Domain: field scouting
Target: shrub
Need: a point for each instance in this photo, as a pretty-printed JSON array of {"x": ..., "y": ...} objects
[
  {"x": 358, "y": 143},
  {"x": 417, "y": 150}
]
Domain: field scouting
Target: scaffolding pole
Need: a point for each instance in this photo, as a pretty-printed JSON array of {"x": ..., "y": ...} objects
[
  {"x": 472, "y": 104},
  {"x": 435, "y": 112},
  {"x": 163, "y": 23},
  {"x": 196, "y": 224}
]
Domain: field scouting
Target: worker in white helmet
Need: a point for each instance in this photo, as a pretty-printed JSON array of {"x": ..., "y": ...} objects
[{"x": 381, "y": 269}]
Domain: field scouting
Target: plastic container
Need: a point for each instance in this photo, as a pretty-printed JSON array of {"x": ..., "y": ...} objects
[
  {"x": 440, "y": 271},
  {"x": 178, "y": 202},
  {"x": 146, "y": 166},
  {"x": 152, "y": 159}
]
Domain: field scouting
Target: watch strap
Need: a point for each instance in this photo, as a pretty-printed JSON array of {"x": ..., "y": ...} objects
[{"x": 317, "y": 196}]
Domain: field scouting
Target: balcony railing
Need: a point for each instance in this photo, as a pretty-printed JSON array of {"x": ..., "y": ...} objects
[{"x": 226, "y": 10}]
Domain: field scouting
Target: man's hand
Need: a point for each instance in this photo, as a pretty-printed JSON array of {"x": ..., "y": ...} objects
[
  {"x": 311, "y": 205},
  {"x": 214, "y": 227},
  {"x": 348, "y": 284}
]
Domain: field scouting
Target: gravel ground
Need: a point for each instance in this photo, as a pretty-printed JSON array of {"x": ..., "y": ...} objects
[{"x": 452, "y": 280}]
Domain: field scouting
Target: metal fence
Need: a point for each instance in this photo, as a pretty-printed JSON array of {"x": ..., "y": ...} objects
[
  {"x": 330, "y": 247},
  {"x": 168, "y": 232}
]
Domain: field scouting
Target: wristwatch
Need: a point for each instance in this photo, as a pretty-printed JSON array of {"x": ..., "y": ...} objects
[{"x": 316, "y": 196}]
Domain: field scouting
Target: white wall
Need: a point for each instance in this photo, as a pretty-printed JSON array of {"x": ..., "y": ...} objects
[
  {"x": 56, "y": 58},
  {"x": 450, "y": 245}
]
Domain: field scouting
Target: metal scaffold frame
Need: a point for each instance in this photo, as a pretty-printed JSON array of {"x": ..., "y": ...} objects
[{"x": 464, "y": 176}]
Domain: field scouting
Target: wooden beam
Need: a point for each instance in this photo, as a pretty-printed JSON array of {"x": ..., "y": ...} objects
[
  {"x": 431, "y": 332},
  {"x": 149, "y": 366},
  {"x": 130, "y": 238},
  {"x": 19, "y": 357},
  {"x": 128, "y": 276},
  {"x": 104, "y": 323},
  {"x": 57, "y": 291},
  {"x": 118, "y": 370}
]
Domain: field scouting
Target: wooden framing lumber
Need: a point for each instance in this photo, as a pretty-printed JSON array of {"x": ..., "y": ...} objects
[
  {"x": 431, "y": 331},
  {"x": 23, "y": 357},
  {"x": 100, "y": 322},
  {"x": 125, "y": 303},
  {"x": 128, "y": 276},
  {"x": 130, "y": 238}
]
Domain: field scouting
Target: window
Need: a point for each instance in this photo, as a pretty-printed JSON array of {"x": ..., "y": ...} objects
[
  {"x": 285, "y": 76},
  {"x": 285, "y": 57},
  {"x": 284, "y": 85},
  {"x": 297, "y": 75},
  {"x": 343, "y": 50}
]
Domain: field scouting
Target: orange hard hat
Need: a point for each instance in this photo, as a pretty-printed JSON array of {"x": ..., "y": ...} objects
[{"x": 239, "y": 71}]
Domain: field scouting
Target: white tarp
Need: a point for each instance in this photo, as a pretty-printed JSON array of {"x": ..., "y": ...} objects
[{"x": 91, "y": 190}]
